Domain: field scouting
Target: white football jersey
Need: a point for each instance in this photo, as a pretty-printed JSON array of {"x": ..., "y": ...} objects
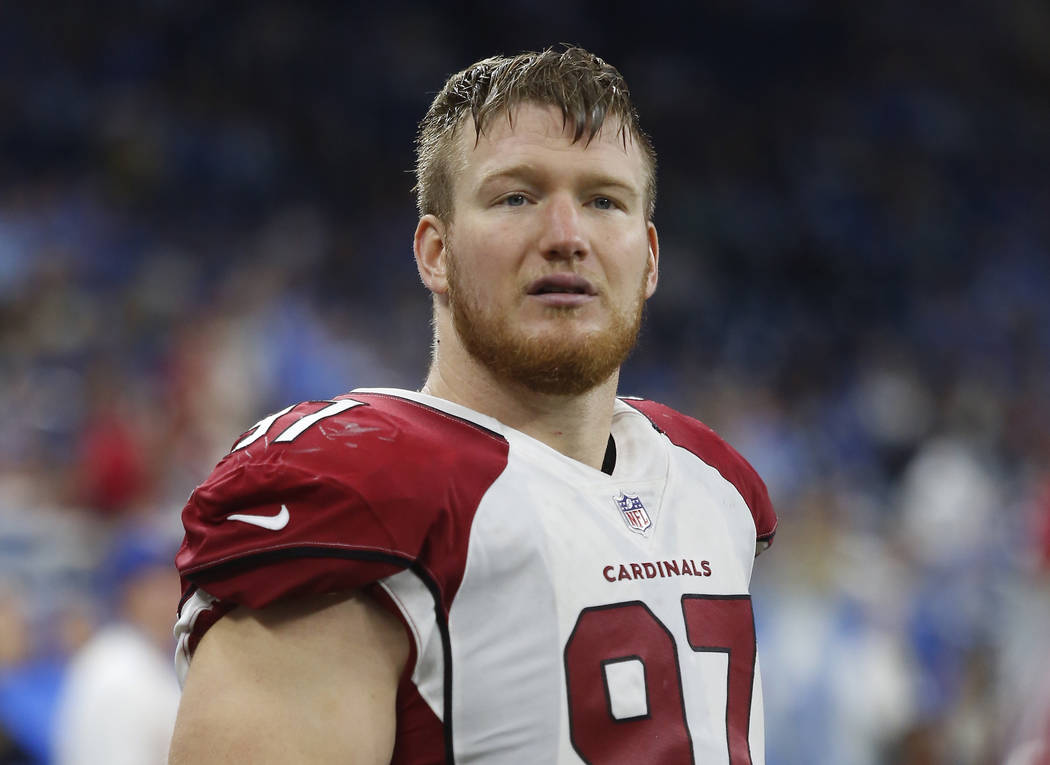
[{"x": 557, "y": 613}]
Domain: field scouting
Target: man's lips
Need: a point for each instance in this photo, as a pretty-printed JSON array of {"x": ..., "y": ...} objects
[{"x": 561, "y": 284}]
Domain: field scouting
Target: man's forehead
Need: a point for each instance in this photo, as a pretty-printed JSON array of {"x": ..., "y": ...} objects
[
  {"x": 540, "y": 124},
  {"x": 548, "y": 119}
]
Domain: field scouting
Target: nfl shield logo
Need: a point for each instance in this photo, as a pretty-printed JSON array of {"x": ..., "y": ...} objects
[{"x": 634, "y": 512}]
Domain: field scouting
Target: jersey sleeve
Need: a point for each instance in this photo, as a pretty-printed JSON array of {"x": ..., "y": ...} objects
[
  {"x": 705, "y": 443},
  {"x": 331, "y": 496}
]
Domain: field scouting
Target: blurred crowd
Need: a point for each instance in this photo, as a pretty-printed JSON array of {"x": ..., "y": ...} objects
[{"x": 206, "y": 214}]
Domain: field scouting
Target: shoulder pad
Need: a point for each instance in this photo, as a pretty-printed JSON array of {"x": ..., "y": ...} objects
[
  {"x": 365, "y": 478},
  {"x": 705, "y": 443}
]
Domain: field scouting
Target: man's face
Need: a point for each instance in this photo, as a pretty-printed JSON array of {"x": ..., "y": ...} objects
[{"x": 550, "y": 257}]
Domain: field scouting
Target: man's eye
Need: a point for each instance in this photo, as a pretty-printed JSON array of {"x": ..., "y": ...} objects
[
  {"x": 604, "y": 203},
  {"x": 514, "y": 200}
]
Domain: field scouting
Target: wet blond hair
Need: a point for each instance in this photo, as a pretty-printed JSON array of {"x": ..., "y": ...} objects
[{"x": 585, "y": 88}]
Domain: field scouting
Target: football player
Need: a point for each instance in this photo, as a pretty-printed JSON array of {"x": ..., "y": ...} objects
[{"x": 512, "y": 564}]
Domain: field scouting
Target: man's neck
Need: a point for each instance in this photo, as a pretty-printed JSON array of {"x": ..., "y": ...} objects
[{"x": 576, "y": 425}]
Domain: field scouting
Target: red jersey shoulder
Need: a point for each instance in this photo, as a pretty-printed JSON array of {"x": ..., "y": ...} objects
[
  {"x": 373, "y": 473},
  {"x": 356, "y": 435},
  {"x": 706, "y": 444}
]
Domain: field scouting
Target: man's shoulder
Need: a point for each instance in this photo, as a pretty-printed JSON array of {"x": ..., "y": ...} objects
[
  {"x": 703, "y": 442},
  {"x": 372, "y": 446},
  {"x": 357, "y": 434},
  {"x": 687, "y": 432},
  {"x": 364, "y": 475},
  {"x": 663, "y": 416}
]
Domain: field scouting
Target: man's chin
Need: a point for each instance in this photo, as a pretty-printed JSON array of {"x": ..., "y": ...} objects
[
  {"x": 566, "y": 363},
  {"x": 556, "y": 353},
  {"x": 557, "y": 379}
]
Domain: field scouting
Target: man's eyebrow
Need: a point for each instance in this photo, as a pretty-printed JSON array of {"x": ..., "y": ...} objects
[
  {"x": 601, "y": 180},
  {"x": 512, "y": 173},
  {"x": 529, "y": 174}
]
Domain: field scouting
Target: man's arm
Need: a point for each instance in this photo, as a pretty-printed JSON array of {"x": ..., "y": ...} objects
[{"x": 309, "y": 681}]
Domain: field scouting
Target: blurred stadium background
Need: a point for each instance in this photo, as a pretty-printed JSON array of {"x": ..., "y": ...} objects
[{"x": 205, "y": 214}]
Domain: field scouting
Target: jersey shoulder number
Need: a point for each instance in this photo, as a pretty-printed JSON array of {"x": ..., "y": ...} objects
[{"x": 367, "y": 475}]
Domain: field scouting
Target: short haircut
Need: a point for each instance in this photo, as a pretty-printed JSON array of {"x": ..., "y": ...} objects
[{"x": 585, "y": 88}]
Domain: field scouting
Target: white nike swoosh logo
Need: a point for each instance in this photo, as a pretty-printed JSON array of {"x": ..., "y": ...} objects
[{"x": 271, "y": 522}]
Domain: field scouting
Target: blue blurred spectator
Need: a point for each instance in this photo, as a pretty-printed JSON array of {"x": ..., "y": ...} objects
[{"x": 120, "y": 695}]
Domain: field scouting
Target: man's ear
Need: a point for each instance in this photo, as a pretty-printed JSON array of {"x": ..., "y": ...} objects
[
  {"x": 429, "y": 245},
  {"x": 654, "y": 260}
]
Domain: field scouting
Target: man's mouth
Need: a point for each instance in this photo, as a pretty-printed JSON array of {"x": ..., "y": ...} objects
[{"x": 554, "y": 284}]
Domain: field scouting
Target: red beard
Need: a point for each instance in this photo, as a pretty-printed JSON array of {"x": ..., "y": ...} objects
[{"x": 560, "y": 363}]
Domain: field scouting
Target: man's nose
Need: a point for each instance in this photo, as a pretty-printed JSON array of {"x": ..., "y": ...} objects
[{"x": 563, "y": 234}]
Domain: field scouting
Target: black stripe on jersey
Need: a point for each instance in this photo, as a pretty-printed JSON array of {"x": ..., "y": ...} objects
[
  {"x": 609, "y": 462},
  {"x": 270, "y": 556}
]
